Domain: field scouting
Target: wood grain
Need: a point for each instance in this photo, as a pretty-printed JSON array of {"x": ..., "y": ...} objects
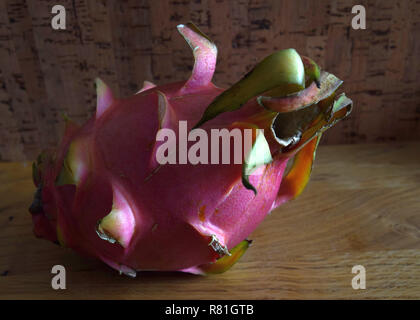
[
  {"x": 361, "y": 207},
  {"x": 44, "y": 73}
]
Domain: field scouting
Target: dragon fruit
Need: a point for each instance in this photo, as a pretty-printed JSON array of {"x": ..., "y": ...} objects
[{"x": 104, "y": 194}]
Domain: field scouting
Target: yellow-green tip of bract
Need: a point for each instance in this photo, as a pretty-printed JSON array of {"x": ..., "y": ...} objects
[
  {"x": 226, "y": 262},
  {"x": 119, "y": 224},
  {"x": 104, "y": 97},
  {"x": 75, "y": 164}
]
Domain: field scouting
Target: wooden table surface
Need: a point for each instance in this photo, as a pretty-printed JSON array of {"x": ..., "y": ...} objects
[{"x": 361, "y": 207}]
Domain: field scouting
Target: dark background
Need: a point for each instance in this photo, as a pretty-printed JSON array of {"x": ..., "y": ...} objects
[{"x": 44, "y": 72}]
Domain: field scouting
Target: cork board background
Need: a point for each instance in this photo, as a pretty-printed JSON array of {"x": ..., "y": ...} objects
[{"x": 44, "y": 72}]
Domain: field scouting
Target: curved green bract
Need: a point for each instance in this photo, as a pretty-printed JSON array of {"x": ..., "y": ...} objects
[
  {"x": 65, "y": 175},
  {"x": 74, "y": 163},
  {"x": 281, "y": 72}
]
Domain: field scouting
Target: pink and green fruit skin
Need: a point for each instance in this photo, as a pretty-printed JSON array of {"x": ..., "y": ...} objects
[{"x": 103, "y": 193}]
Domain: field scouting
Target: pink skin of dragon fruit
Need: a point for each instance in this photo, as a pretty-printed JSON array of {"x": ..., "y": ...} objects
[{"x": 103, "y": 193}]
